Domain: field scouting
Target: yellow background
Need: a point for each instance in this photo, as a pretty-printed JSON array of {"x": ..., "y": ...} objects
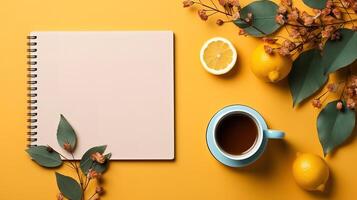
[{"x": 195, "y": 174}]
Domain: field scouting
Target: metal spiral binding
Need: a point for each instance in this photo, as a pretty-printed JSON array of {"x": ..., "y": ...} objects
[{"x": 32, "y": 89}]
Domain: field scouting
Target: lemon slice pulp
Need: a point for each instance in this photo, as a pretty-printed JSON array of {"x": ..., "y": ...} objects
[{"x": 218, "y": 55}]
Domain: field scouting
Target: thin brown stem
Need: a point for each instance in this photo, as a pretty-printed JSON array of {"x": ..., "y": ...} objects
[
  {"x": 306, "y": 41},
  {"x": 228, "y": 14},
  {"x": 343, "y": 90},
  {"x": 323, "y": 94},
  {"x": 343, "y": 22},
  {"x": 256, "y": 28},
  {"x": 322, "y": 25},
  {"x": 228, "y": 21},
  {"x": 87, "y": 180},
  {"x": 68, "y": 165},
  {"x": 345, "y": 84},
  {"x": 65, "y": 158},
  {"x": 296, "y": 25},
  {"x": 282, "y": 37},
  {"x": 231, "y": 9},
  {"x": 346, "y": 11},
  {"x": 212, "y": 8},
  {"x": 87, "y": 183},
  {"x": 79, "y": 175},
  {"x": 213, "y": 4},
  {"x": 62, "y": 155},
  {"x": 297, "y": 46},
  {"x": 349, "y": 13},
  {"x": 92, "y": 196},
  {"x": 212, "y": 13},
  {"x": 287, "y": 30}
]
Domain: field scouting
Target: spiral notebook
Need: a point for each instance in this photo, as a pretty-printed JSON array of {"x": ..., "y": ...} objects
[{"x": 114, "y": 88}]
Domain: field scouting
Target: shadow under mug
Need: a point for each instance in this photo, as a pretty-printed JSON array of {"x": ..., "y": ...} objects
[{"x": 256, "y": 150}]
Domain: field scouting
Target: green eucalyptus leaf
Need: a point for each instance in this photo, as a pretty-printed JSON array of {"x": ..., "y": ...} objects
[
  {"x": 263, "y": 22},
  {"x": 307, "y": 75},
  {"x": 241, "y": 24},
  {"x": 340, "y": 53},
  {"x": 101, "y": 168},
  {"x": 86, "y": 161},
  {"x": 334, "y": 126},
  {"x": 69, "y": 187},
  {"x": 318, "y": 4},
  {"x": 65, "y": 133},
  {"x": 43, "y": 157}
]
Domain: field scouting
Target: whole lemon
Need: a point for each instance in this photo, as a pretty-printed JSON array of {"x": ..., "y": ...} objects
[
  {"x": 310, "y": 171},
  {"x": 270, "y": 67}
]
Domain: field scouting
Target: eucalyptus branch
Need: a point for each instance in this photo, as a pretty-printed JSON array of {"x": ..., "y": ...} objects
[
  {"x": 46, "y": 156},
  {"x": 78, "y": 173}
]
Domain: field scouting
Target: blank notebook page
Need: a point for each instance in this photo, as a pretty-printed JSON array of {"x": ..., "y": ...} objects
[{"x": 114, "y": 88}]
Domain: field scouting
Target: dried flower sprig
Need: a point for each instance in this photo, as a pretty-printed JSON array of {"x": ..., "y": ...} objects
[
  {"x": 91, "y": 166},
  {"x": 320, "y": 42},
  {"x": 312, "y": 30},
  {"x": 348, "y": 94},
  {"x": 303, "y": 29},
  {"x": 229, "y": 8}
]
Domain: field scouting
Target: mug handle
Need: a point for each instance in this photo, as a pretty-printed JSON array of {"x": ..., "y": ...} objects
[{"x": 274, "y": 134}]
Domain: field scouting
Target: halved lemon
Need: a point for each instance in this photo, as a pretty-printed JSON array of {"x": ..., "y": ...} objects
[{"x": 218, "y": 55}]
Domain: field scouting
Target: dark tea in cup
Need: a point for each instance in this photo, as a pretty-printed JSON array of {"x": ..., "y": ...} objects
[{"x": 236, "y": 134}]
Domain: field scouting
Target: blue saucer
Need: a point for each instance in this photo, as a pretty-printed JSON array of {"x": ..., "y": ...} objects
[{"x": 213, "y": 147}]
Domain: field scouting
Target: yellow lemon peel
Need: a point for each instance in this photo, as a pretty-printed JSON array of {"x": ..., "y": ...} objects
[
  {"x": 310, "y": 172},
  {"x": 270, "y": 67}
]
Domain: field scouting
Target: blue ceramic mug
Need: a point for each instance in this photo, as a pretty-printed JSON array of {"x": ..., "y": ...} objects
[{"x": 258, "y": 147}]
